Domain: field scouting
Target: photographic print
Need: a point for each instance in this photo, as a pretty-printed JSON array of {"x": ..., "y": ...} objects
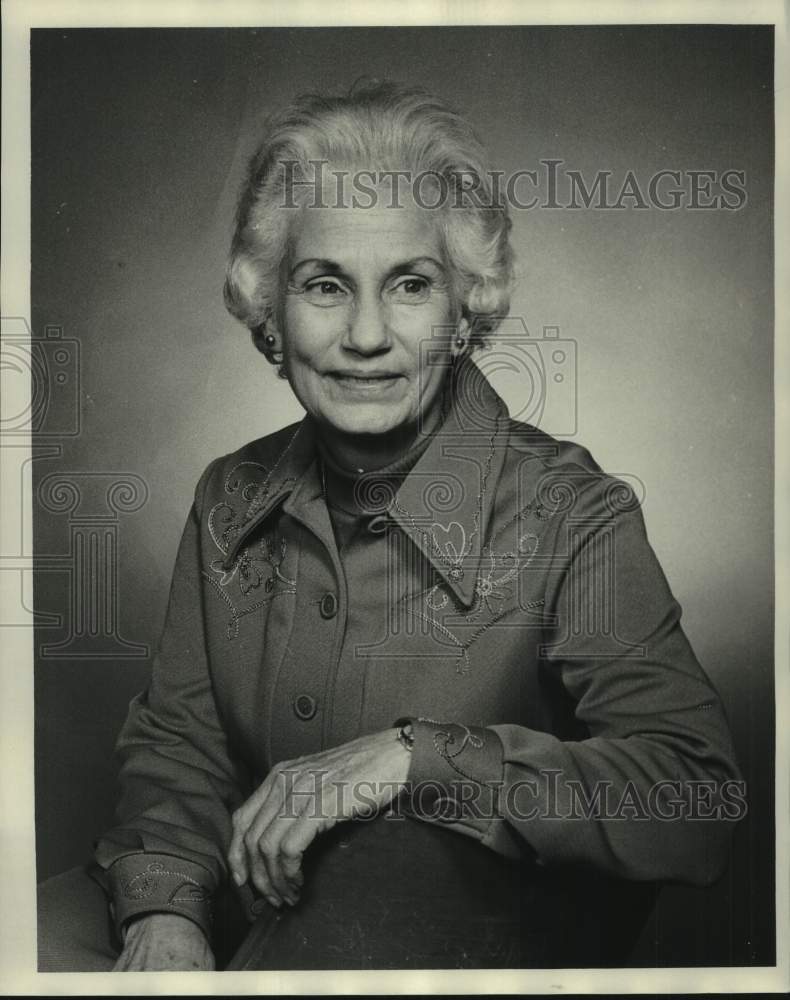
[{"x": 397, "y": 501}]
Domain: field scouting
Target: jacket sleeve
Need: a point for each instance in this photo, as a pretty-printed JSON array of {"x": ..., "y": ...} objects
[
  {"x": 179, "y": 781},
  {"x": 649, "y": 789}
]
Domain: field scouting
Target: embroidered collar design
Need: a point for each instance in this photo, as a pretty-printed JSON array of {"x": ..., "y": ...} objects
[{"x": 255, "y": 567}]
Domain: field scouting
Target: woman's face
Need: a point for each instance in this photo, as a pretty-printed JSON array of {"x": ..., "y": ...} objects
[{"x": 366, "y": 290}]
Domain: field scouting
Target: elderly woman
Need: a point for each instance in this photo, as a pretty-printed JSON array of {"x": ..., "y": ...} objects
[{"x": 423, "y": 698}]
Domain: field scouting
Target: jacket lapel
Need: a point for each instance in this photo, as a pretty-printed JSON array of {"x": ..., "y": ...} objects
[
  {"x": 445, "y": 503},
  {"x": 285, "y": 475}
]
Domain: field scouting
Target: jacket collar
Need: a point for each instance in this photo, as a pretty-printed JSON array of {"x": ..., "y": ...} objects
[{"x": 444, "y": 504}]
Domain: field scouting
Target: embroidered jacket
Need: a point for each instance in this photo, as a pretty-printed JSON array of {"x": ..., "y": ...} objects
[{"x": 507, "y": 601}]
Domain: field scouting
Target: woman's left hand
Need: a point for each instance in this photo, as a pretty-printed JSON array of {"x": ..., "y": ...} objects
[{"x": 304, "y": 797}]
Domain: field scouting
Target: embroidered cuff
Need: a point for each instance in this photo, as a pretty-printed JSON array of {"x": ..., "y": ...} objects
[
  {"x": 456, "y": 773},
  {"x": 159, "y": 883}
]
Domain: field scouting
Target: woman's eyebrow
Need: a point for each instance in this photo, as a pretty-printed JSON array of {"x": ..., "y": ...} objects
[
  {"x": 322, "y": 264},
  {"x": 416, "y": 263}
]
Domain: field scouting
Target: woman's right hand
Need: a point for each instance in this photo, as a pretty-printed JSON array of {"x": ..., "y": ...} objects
[
  {"x": 302, "y": 798},
  {"x": 165, "y": 942}
]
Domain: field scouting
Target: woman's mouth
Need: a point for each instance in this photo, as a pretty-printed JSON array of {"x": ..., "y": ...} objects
[{"x": 376, "y": 382}]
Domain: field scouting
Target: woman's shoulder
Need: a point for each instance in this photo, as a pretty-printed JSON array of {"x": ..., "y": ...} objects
[
  {"x": 564, "y": 474},
  {"x": 529, "y": 443},
  {"x": 241, "y": 471}
]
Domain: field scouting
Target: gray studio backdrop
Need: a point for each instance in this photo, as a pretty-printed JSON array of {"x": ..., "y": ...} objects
[{"x": 139, "y": 142}]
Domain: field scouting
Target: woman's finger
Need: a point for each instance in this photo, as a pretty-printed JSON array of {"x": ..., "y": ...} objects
[
  {"x": 285, "y": 841},
  {"x": 282, "y": 808},
  {"x": 241, "y": 820},
  {"x": 267, "y": 864},
  {"x": 280, "y": 804},
  {"x": 236, "y": 859},
  {"x": 294, "y": 843},
  {"x": 283, "y": 861}
]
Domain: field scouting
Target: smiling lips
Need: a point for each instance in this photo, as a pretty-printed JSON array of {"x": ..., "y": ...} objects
[{"x": 366, "y": 380}]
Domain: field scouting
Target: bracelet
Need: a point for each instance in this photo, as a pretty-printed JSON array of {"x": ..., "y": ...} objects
[{"x": 405, "y": 736}]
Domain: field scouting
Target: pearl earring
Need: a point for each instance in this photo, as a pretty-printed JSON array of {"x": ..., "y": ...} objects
[
  {"x": 272, "y": 356},
  {"x": 460, "y": 343}
]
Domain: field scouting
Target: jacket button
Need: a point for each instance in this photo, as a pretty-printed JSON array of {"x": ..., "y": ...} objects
[
  {"x": 305, "y": 707},
  {"x": 328, "y": 606}
]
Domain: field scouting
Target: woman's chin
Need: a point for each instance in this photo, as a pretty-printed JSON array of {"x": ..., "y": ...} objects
[{"x": 365, "y": 420}]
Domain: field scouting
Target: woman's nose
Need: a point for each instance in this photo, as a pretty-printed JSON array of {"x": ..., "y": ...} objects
[{"x": 368, "y": 329}]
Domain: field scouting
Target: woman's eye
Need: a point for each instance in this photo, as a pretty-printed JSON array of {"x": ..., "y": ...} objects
[
  {"x": 325, "y": 291},
  {"x": 326, "y": 287},
  {"x": 412, "y": 290}
]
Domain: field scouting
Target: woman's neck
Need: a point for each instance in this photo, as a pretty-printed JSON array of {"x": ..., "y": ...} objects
[{"x": 367, "y": 452}]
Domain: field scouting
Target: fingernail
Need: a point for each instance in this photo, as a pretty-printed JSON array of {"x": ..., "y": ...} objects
[
  {"x": 238, "y": 878},
  {"x": 277, "y": 903}
]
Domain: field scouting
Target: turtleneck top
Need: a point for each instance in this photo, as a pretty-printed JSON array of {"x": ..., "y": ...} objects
[{"x": 358, "y": 501}]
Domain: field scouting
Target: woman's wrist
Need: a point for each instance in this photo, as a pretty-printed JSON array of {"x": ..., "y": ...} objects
[{"x": 161, "y": 921}]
